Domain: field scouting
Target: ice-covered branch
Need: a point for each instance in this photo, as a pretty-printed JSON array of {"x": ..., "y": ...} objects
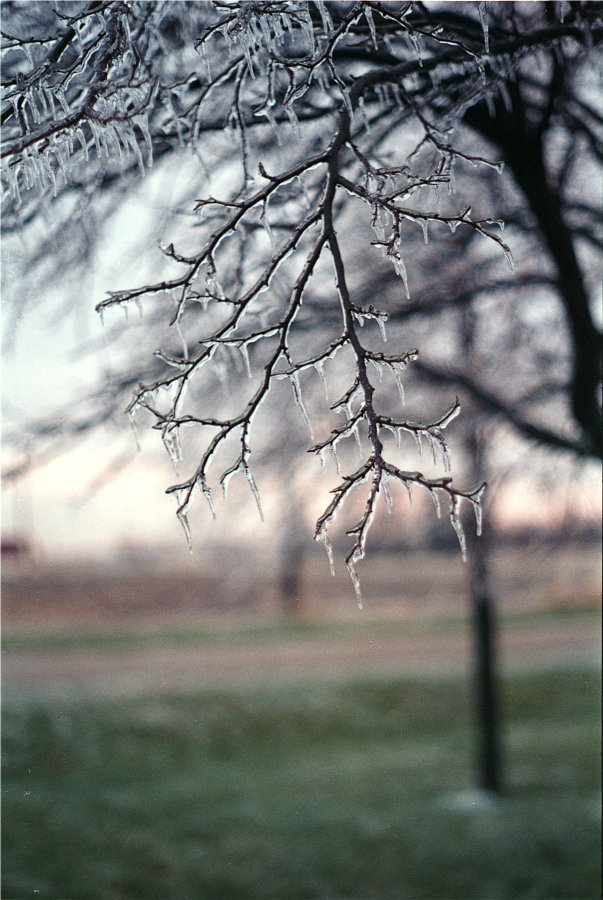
[{"x": 297, "y": 127}]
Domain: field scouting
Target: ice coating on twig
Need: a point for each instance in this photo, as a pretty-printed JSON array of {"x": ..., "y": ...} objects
[
  {"x": 253, "y": 272},
  {"x": 483, "y": 18}
]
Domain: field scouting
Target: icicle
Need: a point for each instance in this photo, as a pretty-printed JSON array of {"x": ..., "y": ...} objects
[
  {"x": 417, "y": 436},
  {"x": 378, "y": 366},
  {"x": 45, "y": 159},
  {"x": 205, "y": 62},
  {"x": 368, "y": 15},
  {"x": 35, "y": 112},
  {"x": 386, "y": 492},
  {"x": 61, "y": 155},
  {"x": 26, "y": 48},
  {"x": 28, "y": 172},
  {"x": 433, "y": 447},
  {"x": 83, "y": 143},
  {"x": 180, "y": 334},
  {"x": 266, "y": 223},
  {"x": 436, "y": 502},
  {"x": 347, "y": 102},
  {"x": 307, "y": 28},
  {"x": 266, "y": 33},
  {"x": 397, "y": 369},
  {"x": 416, "y": 42},
  {"x": 293, "y": 119},
  {"x": 323, "y": 537},
  {"x": 438, "y": 200},
  {"x": 245, "y": 354},
  {"x": 247, "y": 52},
  {"x": 13, "y": 173},
  {"x": 38, "y": 171},
  {"x": 382, "y": 91},
  {"x": 477, "y": 509},
  {"x": 483, "y": 17},
  {"x": 183, "y": 519},
  {"x": 254, "y": 490},
  {"x": 351, "y": 564},
  {"x": 445, "y": 456},
  {"x": 225, "y": 481},
  {"x": 356, "y": 433},
  {"x": 476, "y": 502},
  {"x": 401, "y": 270},
  {"x": 207, "y": 493},
  {"x": 424, "y": 223},
  {"x": 457, "y": 524},
  {"x": 60, "y": 95},
  {"x": 319, "y": 367},
  {"x": 133, "y": 425},
  {"x": 333, "y": 452},
  {"x": 508, "y": 257},
  {"x": 171, "y": 443},
  {"x": 327, "y": 22},
  {"x": 98, "y": 143},
  {"x": 143, "y": 124},
  {"x": 277, "y": 27},
  {"x": 300, "y": 403},
  {"x": 49, "y": 95},
  {"x": 42, "y": 103},
  {"x": 129, "y": 138},
  {"x": 126, "y": 27},
  {"x": 112, "y": 131},
  {"x": 212, "y": 281},
  {"x": 286, "y": 23},
  {"x": 381, "y": 320}
]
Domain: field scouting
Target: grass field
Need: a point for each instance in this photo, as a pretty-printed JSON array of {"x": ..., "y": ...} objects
[
  {"x": 343, "y": 789},
  {"x": 137, "y": 635}
]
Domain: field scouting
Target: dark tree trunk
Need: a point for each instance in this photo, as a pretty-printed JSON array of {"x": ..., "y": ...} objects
[
  {"x": 486, "y": 693},
  {"x": 485, "y": 669},
  {"x": 292, "y": 558},
  {"x": 521, "y": 145}
]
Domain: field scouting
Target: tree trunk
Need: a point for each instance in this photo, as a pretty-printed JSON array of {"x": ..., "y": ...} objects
[
  {"x": 486, "y": 687},
  {"x": 291, "y": 562}
]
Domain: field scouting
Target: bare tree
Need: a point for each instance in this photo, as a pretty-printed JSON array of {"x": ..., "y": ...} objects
[{"x": 344, "y": 117}]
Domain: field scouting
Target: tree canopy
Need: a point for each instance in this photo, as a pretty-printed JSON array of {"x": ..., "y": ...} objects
[{"x": 339, "y": 170}]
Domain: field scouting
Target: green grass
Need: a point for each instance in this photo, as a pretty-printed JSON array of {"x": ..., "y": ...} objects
[
  {"x": 139, "y": 636},
  {"x": 337, "y": 790}
]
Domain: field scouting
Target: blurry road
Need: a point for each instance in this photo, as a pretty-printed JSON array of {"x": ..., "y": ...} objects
[{"x": 534, "y": 643}]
